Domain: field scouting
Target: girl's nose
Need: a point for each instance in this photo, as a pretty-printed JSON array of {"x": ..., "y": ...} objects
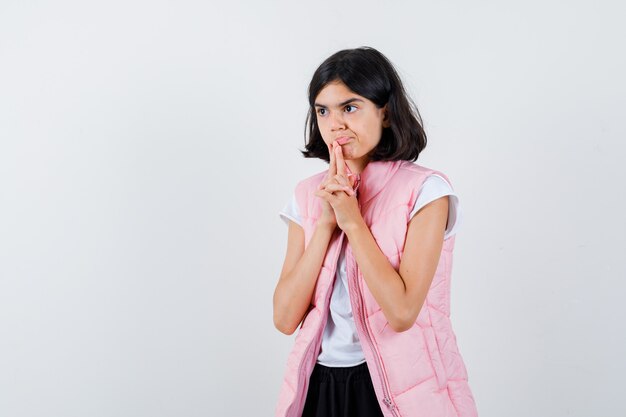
[{"x": 337, "y": 122}]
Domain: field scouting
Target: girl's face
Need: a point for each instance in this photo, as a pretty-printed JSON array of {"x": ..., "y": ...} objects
[{"x": 350, "y": 120}]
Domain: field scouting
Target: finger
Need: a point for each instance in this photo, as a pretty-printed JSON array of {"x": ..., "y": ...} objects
[
  {"x": 332, "y": 168},
  {"x": 351, "y": 179},
  {"x": 326, "y": 196},
  {"x": 341, "y": 179},
  {"x": 348, "y": 170},
  {"x": 338, "y": 187},
  {"x": 327, "y": 180},
  {"x": 321, "y": 194},
  {"x": 340, "y": 163}
]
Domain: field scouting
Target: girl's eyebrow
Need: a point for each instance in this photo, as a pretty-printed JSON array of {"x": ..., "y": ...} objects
[{"x": 343, "y": 103}]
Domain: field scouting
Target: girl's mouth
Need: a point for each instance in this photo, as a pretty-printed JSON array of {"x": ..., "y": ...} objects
[{"x": 343, "y": 141}]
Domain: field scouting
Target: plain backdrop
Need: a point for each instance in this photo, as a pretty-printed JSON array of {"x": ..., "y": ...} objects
[{"x": 146, "y": 148}]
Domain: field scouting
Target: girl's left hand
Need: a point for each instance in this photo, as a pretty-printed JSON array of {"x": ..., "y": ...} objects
[{"x": 344, "y": 204}]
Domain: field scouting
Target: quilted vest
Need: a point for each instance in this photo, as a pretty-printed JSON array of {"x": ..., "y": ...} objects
[{"x": 416, "y": 373}]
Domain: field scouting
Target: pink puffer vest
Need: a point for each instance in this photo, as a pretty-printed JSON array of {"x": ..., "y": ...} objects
[{"x": 415, "y": 373}]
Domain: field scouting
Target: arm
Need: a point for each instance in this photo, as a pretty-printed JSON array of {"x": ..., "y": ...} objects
[
  {"x": 401, "y": 295},
  {"x": 292, "y": 296}
]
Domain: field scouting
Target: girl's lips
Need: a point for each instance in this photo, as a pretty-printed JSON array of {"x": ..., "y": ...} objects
[{"x": 343, "y": 141}]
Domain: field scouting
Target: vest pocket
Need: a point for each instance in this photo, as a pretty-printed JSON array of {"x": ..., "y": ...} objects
[{"x": 435, "y": 357}]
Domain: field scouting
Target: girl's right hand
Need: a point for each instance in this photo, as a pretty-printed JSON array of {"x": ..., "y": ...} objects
[{"x": 328, "y": 214}]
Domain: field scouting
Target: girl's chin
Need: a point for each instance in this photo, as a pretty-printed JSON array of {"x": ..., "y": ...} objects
[{"x": 347, "y": 151}]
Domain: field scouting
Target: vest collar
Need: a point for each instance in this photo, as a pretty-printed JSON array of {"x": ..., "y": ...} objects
[{"x": 374, "y": 177}]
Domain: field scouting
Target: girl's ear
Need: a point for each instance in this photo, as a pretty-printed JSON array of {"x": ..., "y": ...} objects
[{"x": 386, "y": 122}]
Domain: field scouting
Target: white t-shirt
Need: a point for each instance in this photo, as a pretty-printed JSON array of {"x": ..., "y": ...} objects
[{"x": 340, "y": 341}]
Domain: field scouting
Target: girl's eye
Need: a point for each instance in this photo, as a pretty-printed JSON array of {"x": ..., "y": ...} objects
[{"x": 322, "y": 111}]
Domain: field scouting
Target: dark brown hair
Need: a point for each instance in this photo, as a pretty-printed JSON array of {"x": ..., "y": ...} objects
[{"x": 369, "y": 74}]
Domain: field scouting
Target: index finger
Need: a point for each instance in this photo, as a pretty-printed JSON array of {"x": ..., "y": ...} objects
[
  {"x": 332, "y": 168},
  {"x": 340, "y": 164}
]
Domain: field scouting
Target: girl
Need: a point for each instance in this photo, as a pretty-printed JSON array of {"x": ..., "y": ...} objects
[{"x": 367, "y": 269}]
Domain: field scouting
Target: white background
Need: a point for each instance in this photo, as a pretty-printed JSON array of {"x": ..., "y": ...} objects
[{"x": 146, "y": 148}]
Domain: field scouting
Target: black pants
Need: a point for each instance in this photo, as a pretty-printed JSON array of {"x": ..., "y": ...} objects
[{"x": 341, "y": 392}]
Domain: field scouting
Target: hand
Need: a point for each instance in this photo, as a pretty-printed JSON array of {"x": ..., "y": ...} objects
[
  {"x": 337, "y": 191},
  {"x": 328, "y": 214}
]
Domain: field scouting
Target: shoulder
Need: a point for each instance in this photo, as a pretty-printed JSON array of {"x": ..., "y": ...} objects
[
  {"x": 438, "y": 183},
  {"x": 412, "y": 171},
  {"x": 304, "y": 193},
  {"x": 310, "y": 182}
]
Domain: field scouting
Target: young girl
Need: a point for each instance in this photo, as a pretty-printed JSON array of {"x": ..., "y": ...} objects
[{"x": 369, "y": 256}]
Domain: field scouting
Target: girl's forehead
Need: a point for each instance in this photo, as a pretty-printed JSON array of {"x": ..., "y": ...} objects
[
  {"x": 336, "y": 87},
  {"x": 337, "y": 94}
]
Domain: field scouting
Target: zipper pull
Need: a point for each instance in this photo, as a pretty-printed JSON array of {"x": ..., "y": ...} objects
[{"x": 388, "y": 403}]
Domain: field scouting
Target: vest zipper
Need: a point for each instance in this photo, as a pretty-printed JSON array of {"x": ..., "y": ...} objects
[
  {"x": 359, "y": 292},
  {"x": 385, "y": 384},
  {"x": 302, "y": 395},
  {"x": 383, "y": 377}
]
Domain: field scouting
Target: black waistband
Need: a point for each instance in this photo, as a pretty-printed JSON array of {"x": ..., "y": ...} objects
[{"x": 322, "y": 373}]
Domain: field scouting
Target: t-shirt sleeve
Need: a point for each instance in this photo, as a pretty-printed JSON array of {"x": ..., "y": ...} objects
[
  {"x": 290, "y": 212},
  {"x": 434, "y": 187}
]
